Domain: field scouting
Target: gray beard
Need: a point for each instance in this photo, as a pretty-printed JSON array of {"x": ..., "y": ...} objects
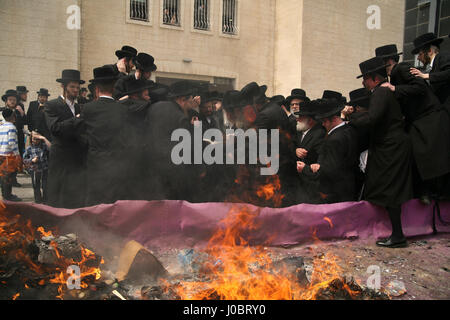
[{"x": 302, "y": 127}]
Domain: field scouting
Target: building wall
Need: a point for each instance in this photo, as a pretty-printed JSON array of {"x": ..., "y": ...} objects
[
  {"x": 248, "y": 57},
  {"x": 35, "y": 44},
  {"x": 336, "y": 39}
]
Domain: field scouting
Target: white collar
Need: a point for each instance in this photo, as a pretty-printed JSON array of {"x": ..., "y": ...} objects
[
  {"x": 432, "y": 62},
  {"x": 107, "y": 97},
  {"x": 338, "y": 126}
]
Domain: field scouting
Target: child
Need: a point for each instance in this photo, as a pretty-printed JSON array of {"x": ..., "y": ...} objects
[
  {"x": 35, "y": 160},
  {"x": 10, "y": 160}
]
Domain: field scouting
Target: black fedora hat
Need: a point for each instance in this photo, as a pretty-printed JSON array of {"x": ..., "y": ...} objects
[
  {"x": 297, "y": 94},
  {"x": 327, "y": 107},
  {"x": 359, "y": 97},
  {"x": 158, "y": 92},
  {"x": 145, "y": 62},
  {"x": 10, "y": 93},
  {"x": 126, "y": 51},
  {"x": 232, "y": 100},
  {"x": 107, "y": 73},
  {"x": 135, "y": 86},
  {"x": 278, "y": 99},
  {"x": 21, "y": 89},
  {"x": 425, "y": 40},
  {"x": 330, "y": 94},
  {"x": 371, "y": 65},
  {"x": 307, "y": 109},
  {"x": 252, "y": 92},
  {"x": 387, "y": 51},
  {"x": 181, "y": 88},
  {"x": 43, "y": 92},
  {"x": 70, "y": 75}
]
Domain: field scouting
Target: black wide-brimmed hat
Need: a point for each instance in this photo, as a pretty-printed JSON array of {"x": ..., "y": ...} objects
[
  {"x": 297, "y": 94},
  {"x": 158, "y": 92},
  {"x": 327, "y": 107},
  {"x": 371, "y": 65},
  {"x": 181, "y": 88},
  {"x": 43, "y": 92},
  {"x": 10, "y": 93},
  {"x": 70, "y": 75},
  {"x": 107, "y": 73},
  {"x": 216, "y": 96},
  {"x": 7, "y": 113},
  {"x": 278, "y": 99},
  {"x": 330, "y": 94},
  {"x": 252, "y": 92},
  {"x": 135, "y": 86},
  {"x": 232, "y": 100},
  {"x": 145, "y": 62},
  {"x": 425, "y": 40},
  {"x": 359, "y": 97},
  {"x": 307, "y": 109},
  {"x": 387, "y": 51},
  {"x": 126, "y": 51},
  {"x": 21, "y": 89}
]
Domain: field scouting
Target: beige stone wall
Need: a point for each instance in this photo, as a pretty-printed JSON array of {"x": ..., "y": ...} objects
[
  {"x": 35, "y": 44},
  {"x": 247, "y": 57},
  {"x": 336, "y": 39}
]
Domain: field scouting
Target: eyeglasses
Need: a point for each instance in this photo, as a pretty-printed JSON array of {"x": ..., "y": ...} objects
[{"x": 295, "y": 104}]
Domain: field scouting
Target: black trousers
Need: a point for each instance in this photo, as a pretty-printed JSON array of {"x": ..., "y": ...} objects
[
  {"x": 39, "y": 181},
  {"x": 6, "y": 184}
]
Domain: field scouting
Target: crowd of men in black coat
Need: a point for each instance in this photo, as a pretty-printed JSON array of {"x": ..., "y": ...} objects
[{"x": 389, "y": 143}]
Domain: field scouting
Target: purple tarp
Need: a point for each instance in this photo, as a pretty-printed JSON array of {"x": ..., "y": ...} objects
[{"x": 182, "y": 224}]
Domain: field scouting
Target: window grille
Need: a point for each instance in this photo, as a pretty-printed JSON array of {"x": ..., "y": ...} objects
[
  {"x": 171, "y": 12},
  {"x": 139, "y": 10},
  {"x": 201, "y": 14},
  {"x": 229, "y": 17}
]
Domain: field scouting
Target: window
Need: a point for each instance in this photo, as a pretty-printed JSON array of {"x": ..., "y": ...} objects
[
  {"x": 171, "y": 12},
  {"x": 229, "y": 17},
  {"x": 444, "y": 24},
  {"x": 201, "y": 14},
  {"x": 139, "y": 10}
]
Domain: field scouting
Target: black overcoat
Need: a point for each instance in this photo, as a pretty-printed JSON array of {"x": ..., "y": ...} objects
[
  {"x": 66, "y": 178},
  {"x": 440, "y": 78}
]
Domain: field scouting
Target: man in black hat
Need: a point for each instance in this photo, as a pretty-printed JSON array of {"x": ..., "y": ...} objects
[
  {"x": 35, "y": 114},
  {"x": 103, "y": 132},
  {"x": 428, "y": 48},
  {"x": 21, "y": 119},
  {"x": 424, "y": 118},
  {"x": 66, "y": 179},
  {"x": 206, "y": 110},
  {"x": 338, "y": 157},
  {"x": 145, "y": 65},
  {"x": 125, "y": 63},
  {"x": 134, "y": 124},
  {"x": 311, "y": 134},
  {"x": 165, "y": 179},
  {"x": 388, "y": 175}
]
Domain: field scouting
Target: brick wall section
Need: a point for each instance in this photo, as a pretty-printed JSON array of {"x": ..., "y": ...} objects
[
  {"x": 336, "y": 39},
  {"x": 35, "y": 44}
]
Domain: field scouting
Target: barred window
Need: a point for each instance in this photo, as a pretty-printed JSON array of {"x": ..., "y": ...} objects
[
  {"x": 229, "y": 17},
  {"x": 139, "y": 10},
  {"x": 171, "y": 12},
  {"x": 201, "y": 14}
]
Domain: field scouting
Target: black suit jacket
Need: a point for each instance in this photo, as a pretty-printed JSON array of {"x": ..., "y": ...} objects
[
  {"x": 440, "y": 78},
  {"x": 338, "y": 161},
  {"x": 32, "y": 108},
  {"x": 66, "y": 167},
  {"x": 312, "y": 142}
]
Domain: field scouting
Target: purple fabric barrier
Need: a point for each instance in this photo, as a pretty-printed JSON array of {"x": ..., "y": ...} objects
[{"x": 181, "y": 224}]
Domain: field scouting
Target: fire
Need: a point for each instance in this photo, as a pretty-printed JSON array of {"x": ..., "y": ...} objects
[{"x": 237, "y": 271}]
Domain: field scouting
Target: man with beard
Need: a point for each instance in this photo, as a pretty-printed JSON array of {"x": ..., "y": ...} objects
[
  {"x": 145, "y": 65},
  {"x": 338, "y": 156},
  {"x": 66, "y": 177},
  {"x": 311, "y": 135},
  {"x": 388, "y": 176},
  {"x": 292, "y": 105},
  {"x": 428, "y": 48},
  {"x": 34, "y": 107},
  {"x": 166, "y": 180},
  {"x": 426, "y": 123},
  {"x": 125, "y": 63},
  {"x": 206, "y": 109},
  {"x": 103, "y": 132}
]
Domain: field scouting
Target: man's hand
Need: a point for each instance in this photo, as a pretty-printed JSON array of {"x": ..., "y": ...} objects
[
  {"x": 285, "y": 110},
  {"x": 348, "y": 110},
  {"x": 389, "y": 86},
  {"x": 20, "y": 110},
  {"x": 301, "y": 153},
  {"x": 419, "y": 74},
  {"x": 35, "y": 159},
  {"x": 124, "y": 98},
  {"x": 315, "y": 167},
  {"x": 122, "y": 66},
  {"x": 138, "y": 74},
  {"x": 300, "y": 166},
  {"x": 195, "y": 121}
]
